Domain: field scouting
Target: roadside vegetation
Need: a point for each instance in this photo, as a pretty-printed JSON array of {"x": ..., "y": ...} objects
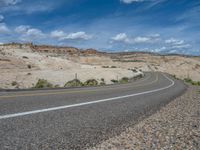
[
  {"x": 102, "y": 81},
  {"x": 124, "y": 80},
  {"x": 74, "y": 83},
  {"x": 91, "y": 82},
  {"x": 41, "y": 83},
  {"x": 190, "y": 81},
  {"x": 14, "y": 83},
  {"x": 114, "y": 81},
  {"x": 176, "y": 77},
  {"x": 109, "y": 66}
]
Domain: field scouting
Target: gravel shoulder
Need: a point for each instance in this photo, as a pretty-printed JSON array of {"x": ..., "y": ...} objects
[{"x": 175, "y": 126}]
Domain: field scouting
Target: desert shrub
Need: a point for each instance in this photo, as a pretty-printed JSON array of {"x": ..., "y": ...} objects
[
  {"x": 102, "y": 82},
  {"x": 175, "y": 77},
  {"x": 91, "y": 82},
  {"x": 57, "y": 86},
  {"x": 188, "y": 80},
  {"x": 114, "y": 81},
  {"x": 124, "y": 80},
  {"x": 29, "y": 66},
  {"x": 134, "y": 70},
  {"x": 105, "y": 66},
  {"x": 74, "y": 83},
  {"x": 113, "y": 67},
  {"x": 25, "y": 57},
  {"x": 14, "y": 83},
  {"x": 43, "y": 84}
]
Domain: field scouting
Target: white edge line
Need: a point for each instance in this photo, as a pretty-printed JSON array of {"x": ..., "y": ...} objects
[{"x": 85, "y": 103}]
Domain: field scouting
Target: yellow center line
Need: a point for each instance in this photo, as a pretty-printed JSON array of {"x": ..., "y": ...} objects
[{"x": 80, "y": 91}]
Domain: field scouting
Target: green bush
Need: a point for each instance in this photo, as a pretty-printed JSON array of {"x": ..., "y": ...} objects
[
  {"x": 91, "y": 82},
  {"x": 139, "y": 76},
  {"x": 134, "y": 70},
  {"x": 29, "y": 66},
  {"x": 14, "y": 83},
  {"x": 124, "y": 80},
  {"x": 113, "y": 67},
  {"x": 105, "y": 66},
  {"x": 43, "y": 84},
  {"x": 74, "y": 83},
  {"x": 114, "y": 81},
  {"x": 102, "y": 82},
  {"x": 188, "y": 80},
  {"x": 57, "y": 86}
]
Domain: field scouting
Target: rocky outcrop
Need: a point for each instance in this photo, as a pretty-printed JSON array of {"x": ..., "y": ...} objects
[{"x": 51, "y": 49}]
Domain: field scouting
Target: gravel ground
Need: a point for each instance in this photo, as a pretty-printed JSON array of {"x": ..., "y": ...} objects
[{"x": 175, "y": 126}]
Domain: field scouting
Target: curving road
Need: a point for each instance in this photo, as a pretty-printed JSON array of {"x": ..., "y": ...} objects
[{"x": 81, "y": 117}]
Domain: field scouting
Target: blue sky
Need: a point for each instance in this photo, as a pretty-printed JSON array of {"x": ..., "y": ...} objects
[{"x": 164, "y": 26}]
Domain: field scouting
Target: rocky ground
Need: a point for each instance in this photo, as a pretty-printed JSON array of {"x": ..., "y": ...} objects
[{"x": 175, "y": 126}]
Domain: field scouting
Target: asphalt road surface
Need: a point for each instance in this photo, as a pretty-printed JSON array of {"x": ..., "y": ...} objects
[{"x": 81, "y": 117}]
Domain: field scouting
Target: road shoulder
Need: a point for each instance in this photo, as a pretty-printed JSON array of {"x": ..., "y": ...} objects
[{"x": 175, "y": 126}]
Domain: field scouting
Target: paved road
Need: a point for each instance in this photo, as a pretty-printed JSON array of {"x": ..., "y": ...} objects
[{"x": 81, "y": 117}]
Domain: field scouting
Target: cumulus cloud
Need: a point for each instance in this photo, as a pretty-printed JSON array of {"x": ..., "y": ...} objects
[
  {"x": 60, "y": 35},
  {"x": 131, "y": 1},
  {"x": 1, "y": 18},
  {"x": 122, "y": 37},
  {"x": 78, "y": 36},
  {"x": 3, "y": 28},
  {"x": 28, "y": 34}
]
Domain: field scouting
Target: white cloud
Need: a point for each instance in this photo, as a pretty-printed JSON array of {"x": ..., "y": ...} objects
[
  {"x": 78, "y": 35},
  {"x": 3, "y": 28},
  {"x": 177, "y": 44},
  {"x": 22, "y": 29},
  {"x": 142, "y": 39},
  {"x": 131, "y": 1},
  {"x": 34, "y": 33},
  {"x": 9, "y": 2},
  {"x": 174, "y": 41},
  {"x": 60, "y": 35},
  {"x": 122, "y": 37},
  {"x": 28, "y": 34},
  {"x": 1, "y": 18},
  {"x": 183, "y": 46}
]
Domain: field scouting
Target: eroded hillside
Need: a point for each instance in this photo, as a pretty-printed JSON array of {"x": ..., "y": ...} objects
[{"x": 22, "y": 65}]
